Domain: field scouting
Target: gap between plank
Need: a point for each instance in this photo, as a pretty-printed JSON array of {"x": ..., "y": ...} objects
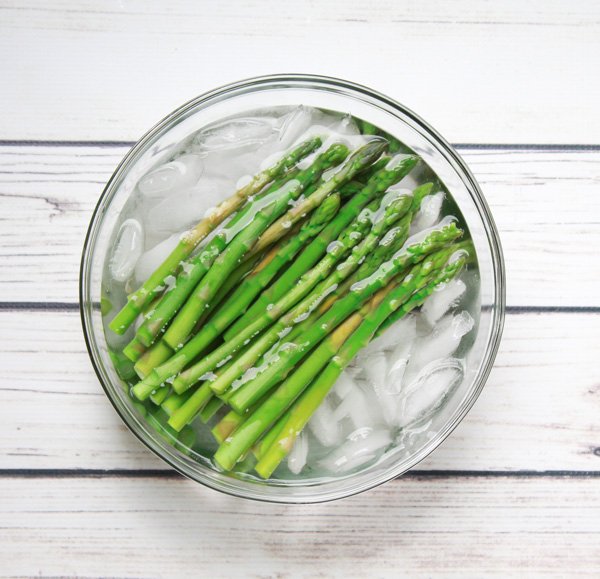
[
  {"x": 460, "y": 146},
  {"x": 172, "y": 474}
]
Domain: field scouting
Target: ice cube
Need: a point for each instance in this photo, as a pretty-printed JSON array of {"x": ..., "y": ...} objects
[
  {"x": 440, "y": 343},
  {"x": 442, "y": 300},
  {"x": 186, "y": 207},
  {"x": 398, "y": 358},
  {"x": 376, "y": 373},
  {"x": 428, "y": 392},
  {"x": 294, "y": 125},
  {"x": 344, "y": 384},
  {"x": 345, "y": 126},
  {"x": 324, "y": 425},
  {"x": 298, "y": 454},
  {"x": 127, "y": 249},
  {"x": 235, "y": 135},
  {"x": 356, "y": 407},
  {"x": 360, "y": 447},
  {"x": 183, "y": 172},
  {"x": 429, "y": 213},
  {"x": 402, "y": 333},
  {"x": 149, "y": 261}
]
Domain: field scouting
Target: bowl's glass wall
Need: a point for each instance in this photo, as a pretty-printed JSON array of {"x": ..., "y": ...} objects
[{"x": 321, "y": 93}]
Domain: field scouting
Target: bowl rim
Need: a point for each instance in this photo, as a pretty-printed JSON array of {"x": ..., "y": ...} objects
[{"x": 498, "y": 268}]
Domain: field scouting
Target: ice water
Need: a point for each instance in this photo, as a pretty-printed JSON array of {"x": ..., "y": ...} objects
[{"x": 387, "y": 399}]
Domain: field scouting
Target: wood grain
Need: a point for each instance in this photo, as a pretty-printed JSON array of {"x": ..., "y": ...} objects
[
  {"x": 539, "y": 410},
  {"x": 413, "y": 527},
  {"x": 544, "y": 203},
  {"x": 513, "y": 491},
  {"x": 479, "y": 72}
]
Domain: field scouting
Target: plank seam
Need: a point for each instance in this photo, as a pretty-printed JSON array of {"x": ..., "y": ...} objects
[
  {"x": 172, "y": 474},
  {"x": 460, "y": 146}
]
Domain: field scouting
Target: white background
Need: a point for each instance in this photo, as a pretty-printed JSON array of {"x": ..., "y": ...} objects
[{"x": 514, "y": 491}]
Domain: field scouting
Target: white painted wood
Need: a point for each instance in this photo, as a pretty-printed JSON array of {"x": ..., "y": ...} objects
[
  {"x": 539, "y": 410},
  {"x": 448, "y": 527},
  {"x": 545, "y": 204},
  {"x": 479, "y": 72}
]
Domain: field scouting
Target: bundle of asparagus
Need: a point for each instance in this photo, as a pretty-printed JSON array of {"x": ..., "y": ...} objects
[{"x": 263, "y": 318}]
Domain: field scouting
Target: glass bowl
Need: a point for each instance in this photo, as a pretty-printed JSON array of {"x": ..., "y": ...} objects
[{"x": 324, "y": 93}]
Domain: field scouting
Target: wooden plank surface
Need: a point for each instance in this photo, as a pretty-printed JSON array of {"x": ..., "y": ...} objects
[
  {"x": 413, "y": 527},
  {"x": 544, "y": 202},
  {"x": 543, "y": 394},
  {"x": 513, "y": 491},
  {"x": 506, "y": 72}
]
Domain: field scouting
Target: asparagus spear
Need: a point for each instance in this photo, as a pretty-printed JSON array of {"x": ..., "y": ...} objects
[
  {"x": 210, "y": 409},
  {"x": 226, "y": 249},
  {"x": 251, "y": 429},
  {"x": 394, "y": 171},
  {"x": 173, "y": 402},
  {"x": 301, "y": 411},
  {"x": 364, "y": 158},
  {"x": 393, "y": 295},
  {"x": 266, "y": 271},
  {"x": 210, "y": 362},
  {"x": 292, "y": 353},
  {"x": 377, "y": 184},
  {"x": 390, "y": 213},
  {"x": 349, "y": 238},
  {"x": 178, "y": 332},
  {"x": 192, "y": 238}
]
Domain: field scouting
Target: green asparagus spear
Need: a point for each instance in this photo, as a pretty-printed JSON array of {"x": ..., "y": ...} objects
[
  {"x": 259, "y": 278},
  {"x": 192, "y": 238},
  {"x": 287, "y": 357},
  {"x": 251, "y": 429},
  {"x": 272, "y": 208},
  {"x": 393, "y": 295},
  {"x": 395, "y": 171},
  {"x": 210, "y": 362},
  {"x": 349, "y": 238},
  {"x": 210, "y": 409},
  {"x": 195, "y": 271},
  {"x": 391, "y": 212},
  {"x": 360, "y": 160},
  {"x": 304, "y": 407}
]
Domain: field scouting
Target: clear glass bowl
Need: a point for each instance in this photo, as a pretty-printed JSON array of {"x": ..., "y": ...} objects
[{"x": 325, "y": 93}]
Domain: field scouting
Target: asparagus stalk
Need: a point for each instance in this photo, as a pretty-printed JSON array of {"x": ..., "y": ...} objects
[
  {"x": 192, "y": 238},
  {"x": 300, "y": 413},
  {"x": 349, "y": 238},
  {"x": 226, "y": 249},
  {"x": 181, "y": 326},
  {"x": 266, "y": 271},
  {"x": 393, "y": 295},
  {"x": 173, "y": 402},
  {"x": 210, "y": 409},
  {"x": 363, "y": 158},
  {"x": 251, "y": 429},
  {"x": 289, "y": 355},
  {"x": 390, "y": 213},
  {"x": 142, "y": 390},
  {"x": 153, "y": 357},
  {"x": 394, "y": 171}
]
